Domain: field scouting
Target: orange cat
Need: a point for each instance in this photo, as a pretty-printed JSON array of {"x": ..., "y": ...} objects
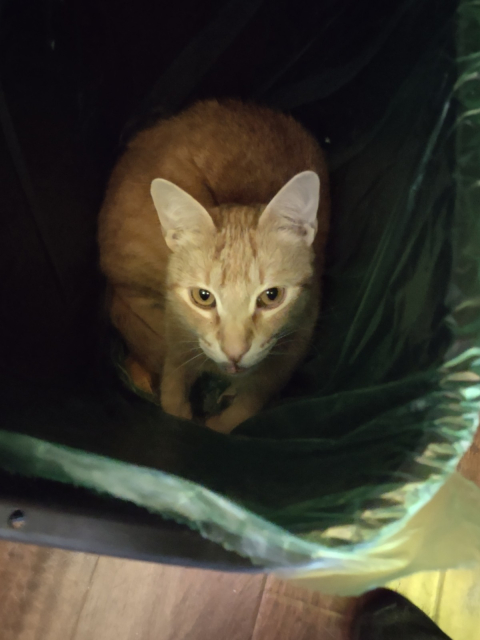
[{"x": 212, "y": 240}]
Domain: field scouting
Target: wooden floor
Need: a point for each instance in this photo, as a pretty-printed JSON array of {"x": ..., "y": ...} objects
[
  {"x": 50, "y": 594},
  {"x": 58, "y": 595}
]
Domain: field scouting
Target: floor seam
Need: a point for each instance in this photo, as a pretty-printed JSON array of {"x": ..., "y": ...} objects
[
  {"x": 84, "y": 600},
  {"x": 260, "y": 600}
]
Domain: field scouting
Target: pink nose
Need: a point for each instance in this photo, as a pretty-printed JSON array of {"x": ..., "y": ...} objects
[{"x": 235, "y": 352}]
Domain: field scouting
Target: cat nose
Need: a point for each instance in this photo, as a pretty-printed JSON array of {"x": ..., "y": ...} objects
[{"x": 235, "y": 352}]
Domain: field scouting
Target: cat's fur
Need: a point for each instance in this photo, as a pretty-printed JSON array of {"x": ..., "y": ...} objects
[{"x": 232, "y": 159}]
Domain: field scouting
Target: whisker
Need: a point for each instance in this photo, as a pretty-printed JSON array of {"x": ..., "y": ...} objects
[
  {"x": 285, "y": 345},
  {"x": 187, "y": 361},
  {"x": 281, "y": 336},
  {"x": 289, "y": 337},
  {"x": 199, "y": 365},
  {"x": 192, "y": 349},
  {"x": 185, "y": 355}
]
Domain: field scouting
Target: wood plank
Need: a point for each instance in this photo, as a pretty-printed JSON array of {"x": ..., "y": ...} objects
[
  {"x": 132, "y": 600},
  {"x": 293, "y": 613},
  {"x": 41, "y": 591}
]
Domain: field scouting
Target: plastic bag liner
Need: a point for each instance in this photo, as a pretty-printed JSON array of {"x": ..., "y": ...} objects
[{"x": 350, "y": 480}]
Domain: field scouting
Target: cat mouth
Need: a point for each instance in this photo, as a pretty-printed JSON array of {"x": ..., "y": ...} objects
[{"x": 233, "y": 369}]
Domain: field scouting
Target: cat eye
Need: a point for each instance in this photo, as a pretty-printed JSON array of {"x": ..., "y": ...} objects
[
  {"x": 203, "y": 298},
  {"x": 271, "y": 297}
]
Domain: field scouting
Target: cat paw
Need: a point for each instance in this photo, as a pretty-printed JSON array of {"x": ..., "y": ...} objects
[
  {"x": 230, "y": 418},
  {"x": 217, "y": 423}
]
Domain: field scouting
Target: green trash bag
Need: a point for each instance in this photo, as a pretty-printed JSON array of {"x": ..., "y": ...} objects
[{"x": 350, "y": 480}]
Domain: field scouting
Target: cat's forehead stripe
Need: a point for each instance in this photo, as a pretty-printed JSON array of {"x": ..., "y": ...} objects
[{"x": 235, "y": 246}]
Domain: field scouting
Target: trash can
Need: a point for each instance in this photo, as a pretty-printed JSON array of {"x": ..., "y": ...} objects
[{"x": 374, "y": 423}]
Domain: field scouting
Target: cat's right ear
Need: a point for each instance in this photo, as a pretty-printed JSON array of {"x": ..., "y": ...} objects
[
  {"x": 183, "y": 219},
  {"x": 293, "y": 211}
]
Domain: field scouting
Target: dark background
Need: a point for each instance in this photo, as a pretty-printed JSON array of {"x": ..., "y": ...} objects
[{"x": 75, "y": 75}]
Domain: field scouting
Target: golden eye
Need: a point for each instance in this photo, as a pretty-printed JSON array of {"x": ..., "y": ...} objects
[
  {"x": 271, "y": 297},
  {"x": 203, "y": 298}
]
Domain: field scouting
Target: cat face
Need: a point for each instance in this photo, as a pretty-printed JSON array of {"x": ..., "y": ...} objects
[{"x": 242, "y": 287}]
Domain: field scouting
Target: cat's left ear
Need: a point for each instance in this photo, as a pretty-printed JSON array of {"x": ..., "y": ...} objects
[
  {"x": 183, "y": 219},
  {"x": 293, "y": 211}
]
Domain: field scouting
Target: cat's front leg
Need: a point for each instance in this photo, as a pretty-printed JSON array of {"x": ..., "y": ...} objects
[
  {"x": 141, "y": 377},
  {"x": 175, "y": 389},
  {"x": 242, "y": 408}
]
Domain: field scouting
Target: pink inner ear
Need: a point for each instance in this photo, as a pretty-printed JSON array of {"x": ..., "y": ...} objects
[
  {"x": 295, "y": 206},
  {"x": 177, "y": 209},
  {"x": 286, "y": 223}
]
